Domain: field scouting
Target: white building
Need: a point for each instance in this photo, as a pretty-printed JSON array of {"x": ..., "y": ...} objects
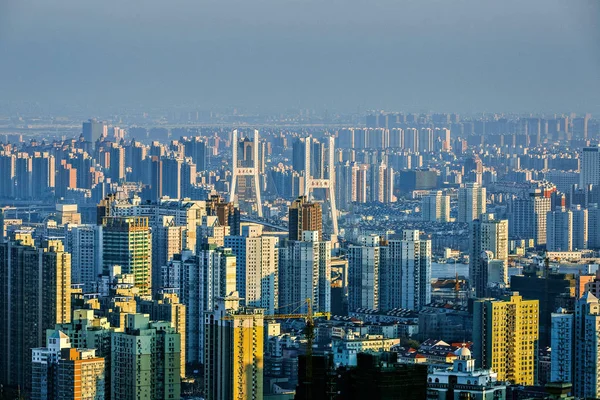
[
  {"x": 345, "y": 350},
  {"x": 586, "y": 373},
  {"x": 84, "y": 242},
  {"x": 489, "y": 241},
  {"x": 471, "y": 202},
  {"x": 435, "y": 207},
  {"x": 415, "y": 281},
  {"x": 580, "y": 227},
  {"x": 305, "y": 273},
  {"x": 463, "y": 381},
  {"x": 363, "y": 273},
  {"x": 257, "y": 261},
  {"x": 559, "y": 230}
]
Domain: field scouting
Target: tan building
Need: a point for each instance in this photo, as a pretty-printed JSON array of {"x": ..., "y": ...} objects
[{"x": 80, "y": 375}]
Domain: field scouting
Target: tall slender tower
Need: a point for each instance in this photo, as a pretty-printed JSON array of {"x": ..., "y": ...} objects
[
  {"x": 126, "y": 241},
  {"x": 234, "y": 352},
  {"x": 35, "y": 295},
  {"x": 252, "y": 171}
]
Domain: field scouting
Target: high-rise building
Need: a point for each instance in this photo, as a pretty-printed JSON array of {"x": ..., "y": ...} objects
[
  {"x": 234, "y": 352},
  {"x": 93, "y": 131},
  {"x": 559, "y": 230},
  {"x": 363, "y": 273},
  {"x": 590, "y": 166},
  {"x": 84, "y": 242},
  {"x": 171, "y": 177},
  {"x": 167, "y": 240},
  {"x": 257, "y": 262},
  {"x": 562, "y": 339},
  {"x": 116, "y": 170},
  {"x": 587, "y": 344},
  {"x": 580, "y": 227},
  {"x": 508, "y": 337},
  {"x": 80, "y": 375},
  {"x": 305, "y": 273},
  {"x": 166, "y": 307},
  {"x": 43, "y": 174},
  {"x": 527, "y": 217},
  {"x": 127, "y": 242},
  {"x": 145, "y": 360},
  {"x": 305, "y": 216},
  {"x": 488, "y": 255},
  {"x": 44, "y": 365},
  {"x": 471, "y": 202},
  {"x": 435, "y": 207},
  {"x": 415, "y": 289},
  {"x": 7, "y": 166},
  {"x": 36, "y": 293}
]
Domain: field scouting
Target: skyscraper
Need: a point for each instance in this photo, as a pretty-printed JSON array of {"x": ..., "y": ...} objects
[
  {"x": 167, "y": 240},
  {"x": 416, "y": 271},
  {"x": 562, "y": 338},
  {"x": 587, "y": 342},
  {"x": 471, "y": 202},
  {"x": 145, "y": 360},
  {"x": 590, "y": 166},
  {"x": 84, "y": 242},
  {"x": 93, "y": 131},
  {"x": 36, "y": 293},
  {"x": 127, "y": 241},
  {"x": 305, "y": 216},
  {"x": 363, "y": 273},
  {"x": 559, "y": 230},
  {"x": 488, "y": 255},
  {"x": 508, "y": 332},
  {"x": 257, "y": 261},
  {"x": 528, "y": 216},
  {"x": 305, "y": 273},
  {"x": 435, "y": 207},
  {"x": 234, "y": 352},
  {"x": 580, "y": 227}
]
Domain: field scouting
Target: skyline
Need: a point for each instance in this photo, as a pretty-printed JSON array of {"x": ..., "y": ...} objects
[{"x": 269, "y": 56}]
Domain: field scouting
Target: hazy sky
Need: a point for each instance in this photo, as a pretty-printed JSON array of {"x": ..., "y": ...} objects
[{"x": 414, "y": 55}]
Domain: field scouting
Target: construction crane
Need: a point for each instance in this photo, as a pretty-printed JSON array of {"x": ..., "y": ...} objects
[
  {"x": 310, "y": 335},
  {"x": 309, "y": 317}
]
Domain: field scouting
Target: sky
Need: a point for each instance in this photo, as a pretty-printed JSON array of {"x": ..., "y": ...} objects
[{"x": 461, "y": 56}]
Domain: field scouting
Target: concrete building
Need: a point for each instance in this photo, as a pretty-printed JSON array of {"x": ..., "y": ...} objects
[
  {"x": 435, "y": 207},
  {"x": 305, "y": 273},
  {"x": 36, "y": 293},
  {"x": 471, "y": 202},
  {"x": 234, "y": 353},
  {"x": 463, "y": 380},
  {"x": 80, "y": 375},
  {"x": 127, "y": 242},
  {"x": 363, "y": 273},
  {"x": 590, "y": 166},
  {"x": 305, "y": 216},
  {"x": 580, "y": 227},
  {"x": 84, "y": 242},
  {"x": 488, "y": 253},
  {"x": 145, "y": 360},
  {"x": 167, "y": 240},
  {"x": 527, "y": 217},
  {"x": 587, "y": 347},
  {"x": 559, "y": 230},
  {"x": 345, "y": 350},
  {"x": 508, "y": 332},
  {"x": 562, "y": 341},
  {"x": 257, "y": 261}
]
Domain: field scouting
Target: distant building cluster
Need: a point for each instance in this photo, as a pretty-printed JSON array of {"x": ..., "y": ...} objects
[{"x": 417, "y": 256}]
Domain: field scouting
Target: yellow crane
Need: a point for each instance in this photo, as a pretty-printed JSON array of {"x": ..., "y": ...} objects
[
  {"x": 310, "y": 335},
  {"x": 309, "y": 317}
]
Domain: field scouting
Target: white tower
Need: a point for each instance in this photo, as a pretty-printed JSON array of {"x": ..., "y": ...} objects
[
  {"x": 253, "y": 171},
  {"x": 328, "y": 183}
]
